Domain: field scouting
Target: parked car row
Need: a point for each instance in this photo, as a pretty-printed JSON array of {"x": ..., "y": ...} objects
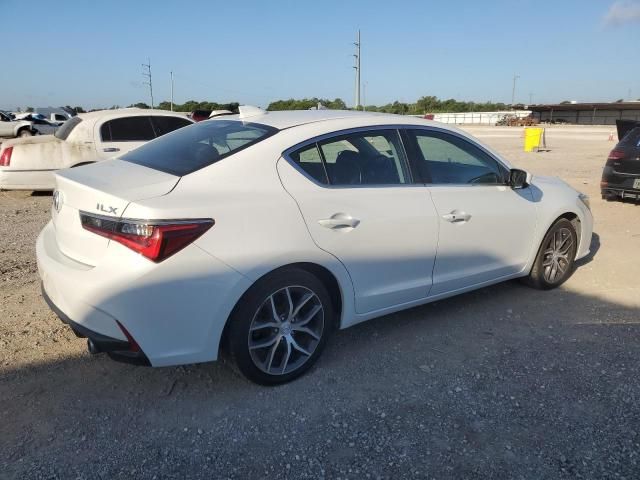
[
  {"x": 11, "y": 127},
  {"x": 30, "y": 163},
  {"x": 261, "y": 233}
]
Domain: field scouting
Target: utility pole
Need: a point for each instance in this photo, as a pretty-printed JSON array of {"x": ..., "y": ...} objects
[
  {"x": 172, "y": 91},
  {"x": 364, "y": 96},
  {"x": 530, "y": 98},
  {"x": 357, "y": 67},
  {"x": 513, "y": 91},
  {"x": 147, "y": 66}
]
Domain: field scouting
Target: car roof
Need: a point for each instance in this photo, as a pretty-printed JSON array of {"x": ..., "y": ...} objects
[
  {"x": 127, "y": 112},
  {"x": 283, "y": 119}
]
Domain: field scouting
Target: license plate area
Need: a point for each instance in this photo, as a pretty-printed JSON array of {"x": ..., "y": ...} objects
[{"x": 636, "y": 184}]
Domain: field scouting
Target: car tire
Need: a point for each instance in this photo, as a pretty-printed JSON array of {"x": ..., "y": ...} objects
[
  {"x": 25, "y": 132},
  {"x": 280, "y": 326},
  {"x": 555, "y": 261}
]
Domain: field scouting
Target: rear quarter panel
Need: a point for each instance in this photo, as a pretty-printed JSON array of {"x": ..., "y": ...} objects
[{"x": 51, "y": 155}]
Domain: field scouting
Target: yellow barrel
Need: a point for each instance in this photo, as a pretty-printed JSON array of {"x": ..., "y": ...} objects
[{"x": 532, "y": 138}]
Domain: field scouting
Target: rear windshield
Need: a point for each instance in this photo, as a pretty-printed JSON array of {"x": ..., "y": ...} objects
[
  {"x": 197, "y": 146},
  {"x": 632, "y": 138},
  {"x": 63, "y": 132}
]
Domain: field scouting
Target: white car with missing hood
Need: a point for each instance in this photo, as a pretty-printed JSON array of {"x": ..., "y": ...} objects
[
  {"x": 262, "y": 232},
  {"x": 29, "y": 163}
]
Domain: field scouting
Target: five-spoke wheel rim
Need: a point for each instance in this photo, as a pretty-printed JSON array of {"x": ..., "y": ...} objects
[
  {"x": 286, "y": 330},
  {"x": 556, "y": 259}
]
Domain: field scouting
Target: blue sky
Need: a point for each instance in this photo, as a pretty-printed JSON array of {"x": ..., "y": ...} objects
[{"x": 90, "y": 53}]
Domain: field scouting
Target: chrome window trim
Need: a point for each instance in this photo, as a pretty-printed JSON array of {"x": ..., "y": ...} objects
[{"x": 397, "y": 127}]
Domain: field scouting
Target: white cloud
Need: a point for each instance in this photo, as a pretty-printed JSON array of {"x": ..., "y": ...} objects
[{"x": 622, "y": 12}]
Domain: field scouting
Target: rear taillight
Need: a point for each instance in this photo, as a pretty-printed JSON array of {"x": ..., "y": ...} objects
[
  {"x": 5, "y": 158},
  {"x": 615, "y": 155},
  {"x": 155, "y": 240}
]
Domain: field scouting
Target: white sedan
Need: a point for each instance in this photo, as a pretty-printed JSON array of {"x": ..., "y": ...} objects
[
  {"x": 29, "y": 163},
  {"x": 262, "y": 232}
]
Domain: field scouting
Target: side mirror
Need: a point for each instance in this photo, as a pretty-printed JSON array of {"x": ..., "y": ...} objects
[{"x": 519, "y": 179}]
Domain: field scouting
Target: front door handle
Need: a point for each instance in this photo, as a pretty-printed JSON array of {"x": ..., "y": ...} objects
[
  {"x": 457, "y": 216},
  {"x": 111, "y": 149},
  {"x": 339, "y": 221}
]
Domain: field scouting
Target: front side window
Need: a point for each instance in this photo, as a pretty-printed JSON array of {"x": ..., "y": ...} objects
[
  {"x": 127, "y": 129},
  {"x": 60, "y": 118},
  {"x": 197, "y": 146},
  {"x": 361, "y": 158},
  {"x": 448, "y": 159}
]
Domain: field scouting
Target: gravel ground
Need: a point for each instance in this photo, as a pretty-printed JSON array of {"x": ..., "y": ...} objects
[{"x": 505, "y": 382}]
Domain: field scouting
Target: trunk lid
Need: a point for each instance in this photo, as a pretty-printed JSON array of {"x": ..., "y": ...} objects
[{"x": 105, "y": 188}]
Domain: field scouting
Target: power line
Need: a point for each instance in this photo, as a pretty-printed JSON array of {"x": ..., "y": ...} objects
[{"x": 148, "y": 75}]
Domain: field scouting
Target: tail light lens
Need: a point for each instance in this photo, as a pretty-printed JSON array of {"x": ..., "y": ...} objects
[
  {"x": 155, "y": 240},
  {"x": 615, "y": 155},
  {"x": 5, "y": 158}
]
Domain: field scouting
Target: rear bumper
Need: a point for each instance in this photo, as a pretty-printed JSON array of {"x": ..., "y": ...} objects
[
  {"x": 27, "y": 179},
  {"x": 175, "y": 310},
  {"x": 119, "y": 350},
  {"x": 614, "y": 184}
]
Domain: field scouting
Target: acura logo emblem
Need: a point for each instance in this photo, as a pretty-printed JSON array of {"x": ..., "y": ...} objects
[{"x": 57, "y": 200}]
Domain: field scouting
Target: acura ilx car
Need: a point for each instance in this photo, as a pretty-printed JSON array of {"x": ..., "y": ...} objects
[{"x": 258, "y": 234}]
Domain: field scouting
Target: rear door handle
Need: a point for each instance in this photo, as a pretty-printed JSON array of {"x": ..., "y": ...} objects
[
  {"x": 339, "y": 221},
  {"x": 111, "y": 149},
  {"x": 456, "y": 216}
]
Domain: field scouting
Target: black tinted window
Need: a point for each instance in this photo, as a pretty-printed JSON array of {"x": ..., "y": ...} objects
[
  {"x": 632, "y": 138},
  {"x": 63, "y": 132},
  {"x": 169, "y": 124},
  {"x": 127, "y": 129},
  {"x": 310, "y": 161},
  {"x": 447, "y": 159},
  {"x": 189, "y": 149}
]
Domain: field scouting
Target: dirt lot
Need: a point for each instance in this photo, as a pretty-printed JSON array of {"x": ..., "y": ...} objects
[{"x": 505, "y": 382}]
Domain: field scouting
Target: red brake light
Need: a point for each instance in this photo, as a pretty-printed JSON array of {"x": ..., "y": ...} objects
[
  {"x": 155, "y": 240},
  {"x": 616, "y": 155},
  {"x": 5, "y": 158}
]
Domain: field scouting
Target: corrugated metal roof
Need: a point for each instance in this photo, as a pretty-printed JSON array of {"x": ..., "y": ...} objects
[{"x": 586, "y": 106}]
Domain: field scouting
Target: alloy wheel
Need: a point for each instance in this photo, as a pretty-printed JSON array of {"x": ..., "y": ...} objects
[
  {"x": 286, "y": 330},
  {"x": 556, "y": 262}
]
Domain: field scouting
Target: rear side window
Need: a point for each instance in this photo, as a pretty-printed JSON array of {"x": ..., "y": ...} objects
[
  {"x": 60, "y": 118},
  {"x": 189, "y": 149},
  {"x": 67, "y": 127},
  {"x": 361, "y": 158},
  {"x": 310, "y": 161},
  {"x": 166, "y": 124},
  {"x": 127, "y": 129}
]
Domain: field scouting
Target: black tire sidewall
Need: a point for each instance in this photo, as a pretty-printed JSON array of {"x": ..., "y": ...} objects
[
  {"x": 536, "y": 277},
  {"x": 241, "y": 318}
]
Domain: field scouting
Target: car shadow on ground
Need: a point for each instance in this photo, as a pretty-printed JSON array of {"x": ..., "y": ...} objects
[{"x": 501, "y": 380}]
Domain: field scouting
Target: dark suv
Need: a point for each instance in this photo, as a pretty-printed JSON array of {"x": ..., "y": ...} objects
[{"x": 621, "y": 174}]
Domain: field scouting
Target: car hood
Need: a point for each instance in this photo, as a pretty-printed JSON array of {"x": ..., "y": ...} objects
[{"x": 542, "y": 181}]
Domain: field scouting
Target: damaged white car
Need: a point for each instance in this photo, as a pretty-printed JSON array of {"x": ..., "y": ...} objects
[{"x": 29, "y": 163}]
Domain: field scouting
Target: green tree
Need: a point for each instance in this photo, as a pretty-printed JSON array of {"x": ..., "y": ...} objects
[{"x": 29, "y": 110}]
